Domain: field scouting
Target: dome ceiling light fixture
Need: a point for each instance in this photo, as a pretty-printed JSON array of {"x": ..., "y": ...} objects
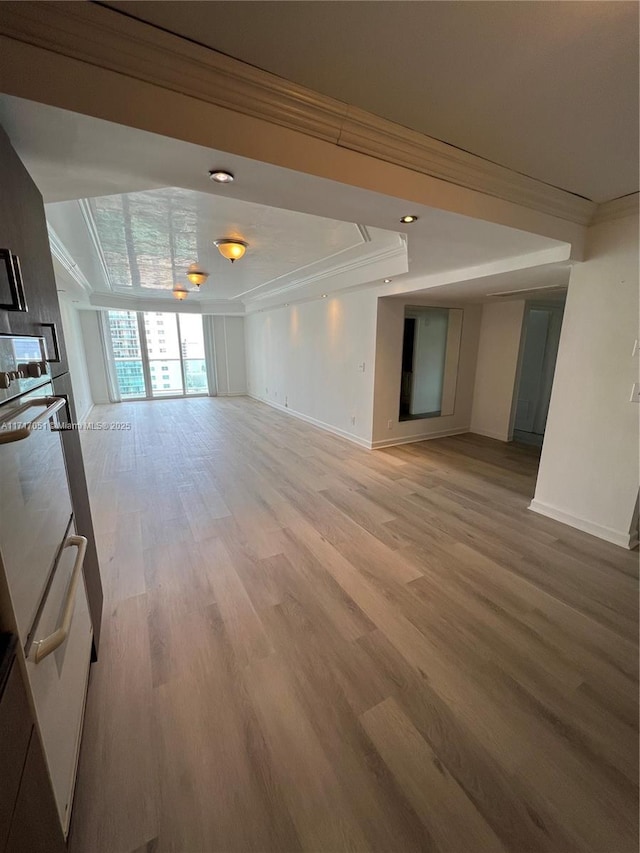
[
  {"x": 180, "y": 292},
  {"x": 230, "y": 249},
  {"x": 196, "y": 275},
  {"x": 221, "y": 176}
]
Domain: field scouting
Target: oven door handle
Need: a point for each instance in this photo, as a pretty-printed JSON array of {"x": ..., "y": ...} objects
[
  {"x": 17, "y": 433},
  {"x": 42, "y": 648}
]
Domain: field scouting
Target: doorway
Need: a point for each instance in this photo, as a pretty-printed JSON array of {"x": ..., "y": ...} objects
[{"x": 541, "y": 338}]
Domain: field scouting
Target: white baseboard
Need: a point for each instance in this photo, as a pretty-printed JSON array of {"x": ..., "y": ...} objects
[
  {"x": 356, "y": 439},
  {"x": 425, "y": 436},
  {"x": 233, "y": 394},
  {"x": 617, "y": 537}
]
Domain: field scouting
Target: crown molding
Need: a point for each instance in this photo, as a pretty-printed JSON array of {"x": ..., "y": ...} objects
[
  {"x": 108, "y": 39},
  {"x": 346, "y": 268},
  {"x": 92, "y": 229},
  {"x": 142, "y": 302},
  {"x": 61, "y": 254},
  {"x": 617, "y": 208},
  {"x": 386, "y": 140},
  {"x": 294, "y": 277}
]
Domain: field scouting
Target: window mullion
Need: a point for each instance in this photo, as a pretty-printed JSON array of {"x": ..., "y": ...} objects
[
  {"x": 184, "y": 378},
  {"x": 144, "y": 354}
]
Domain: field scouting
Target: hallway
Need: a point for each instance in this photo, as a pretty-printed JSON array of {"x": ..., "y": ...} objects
[{"x": 311, "y": 646}]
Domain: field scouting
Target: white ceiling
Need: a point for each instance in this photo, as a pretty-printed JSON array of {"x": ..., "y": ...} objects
[
  {"x": 548, "y": 89},
  {"x": 303, "y": 231},
  {"x": 142, "y": 243}
]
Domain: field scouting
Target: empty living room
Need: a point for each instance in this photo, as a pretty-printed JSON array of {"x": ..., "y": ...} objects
[{"x": 319, "y": 434}]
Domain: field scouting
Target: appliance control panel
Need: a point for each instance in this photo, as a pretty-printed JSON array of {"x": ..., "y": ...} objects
[{"x": 23, "y": 365}]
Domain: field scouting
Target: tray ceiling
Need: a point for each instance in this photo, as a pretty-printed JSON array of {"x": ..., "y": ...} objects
[{"x": 142, "y": 244}]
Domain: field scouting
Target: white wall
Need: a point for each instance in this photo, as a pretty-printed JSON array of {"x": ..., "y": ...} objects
[
  {"x": 497, "y": 367},
  {"x": 230, "y": 357},
  {"x": 90, "y": 324},
  {"x": 589, "y": 468},
  {"x": 307, "y": 359},
  {"x": 388, "y": 374},
  {"x": 74, "y": 342}
]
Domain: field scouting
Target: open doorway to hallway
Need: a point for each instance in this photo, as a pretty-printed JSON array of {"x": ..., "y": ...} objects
[{"x": 539, "y": 351}]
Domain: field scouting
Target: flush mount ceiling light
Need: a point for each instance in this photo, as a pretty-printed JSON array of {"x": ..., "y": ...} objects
[
  {"x": 232, "y": 250},
  {"x": 180, "y": 292},
  {"x": 220, "y": 176},
  {"x": 196, "y": 275},
  {"x": 410, "y": 217}
]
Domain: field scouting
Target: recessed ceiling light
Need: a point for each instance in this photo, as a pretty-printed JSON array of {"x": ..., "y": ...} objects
[
  {"x": 220, "y": 176},
  {"x": 324, "y": 295},
  {"x": 408, "y": 218},
  {"x": 387, "y": 281},
  {"x": 286, "y": 304}
]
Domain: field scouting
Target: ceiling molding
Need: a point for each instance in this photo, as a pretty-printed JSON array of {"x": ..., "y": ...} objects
[
  {"x": 92, "y": 229},
  {"x": 346, "y": 268},
  {"x": 108, "y": 39},
  {"x": 386, "y": 140},
  {"x": 617, "y": 208},
  {"x": 136, "y": 302},
  {"x": 363, "y": 237},
  {"x": 60, "y": 253}
]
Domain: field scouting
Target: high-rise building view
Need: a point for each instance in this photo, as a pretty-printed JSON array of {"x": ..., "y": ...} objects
[{"x": 158, "y": 354}]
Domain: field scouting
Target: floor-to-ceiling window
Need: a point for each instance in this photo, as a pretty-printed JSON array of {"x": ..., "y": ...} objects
[
  {"x": 158, "y": 354},
  {"x": 127, "y": 354},
  {"x": 192, "y": 352}
]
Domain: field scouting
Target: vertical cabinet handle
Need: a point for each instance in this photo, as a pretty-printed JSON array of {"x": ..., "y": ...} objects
[
  {"x": 54, "y": 338},
  {"x": 42, "y": 648},
  {"x": 14, "y": 277}
]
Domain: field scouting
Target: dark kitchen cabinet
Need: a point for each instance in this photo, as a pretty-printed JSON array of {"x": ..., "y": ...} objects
[
  {"x": 23, "y": 231},
  {"x": 28, "y": 815}
]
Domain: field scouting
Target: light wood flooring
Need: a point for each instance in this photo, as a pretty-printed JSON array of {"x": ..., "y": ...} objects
[{"x": 311, "y": 646}]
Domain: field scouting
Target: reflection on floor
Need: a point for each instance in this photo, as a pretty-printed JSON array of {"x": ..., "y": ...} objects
[{"x": 309, "y": 646}]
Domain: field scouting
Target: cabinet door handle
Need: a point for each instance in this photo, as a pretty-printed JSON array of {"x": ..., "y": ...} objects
[
  {"x": 14, "y": 276},
  {"x": 17, "y": 433},
  {"x": 42, "y": 648},
  {"x": 54, "y": 338}
]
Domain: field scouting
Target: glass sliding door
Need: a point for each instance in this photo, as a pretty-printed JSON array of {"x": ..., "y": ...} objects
[
  {"x": 158, "y": 354},
  {"x": 192, "y": 352},
  {"x": 163, "y": 351},
  {"x": 127, "y": 354}
]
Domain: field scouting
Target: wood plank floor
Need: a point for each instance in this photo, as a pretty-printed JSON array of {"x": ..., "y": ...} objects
[{"x": 310, "y": 646}]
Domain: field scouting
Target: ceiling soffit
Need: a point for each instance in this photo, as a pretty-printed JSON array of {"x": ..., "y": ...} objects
[{"x": 107, "y": 39}]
